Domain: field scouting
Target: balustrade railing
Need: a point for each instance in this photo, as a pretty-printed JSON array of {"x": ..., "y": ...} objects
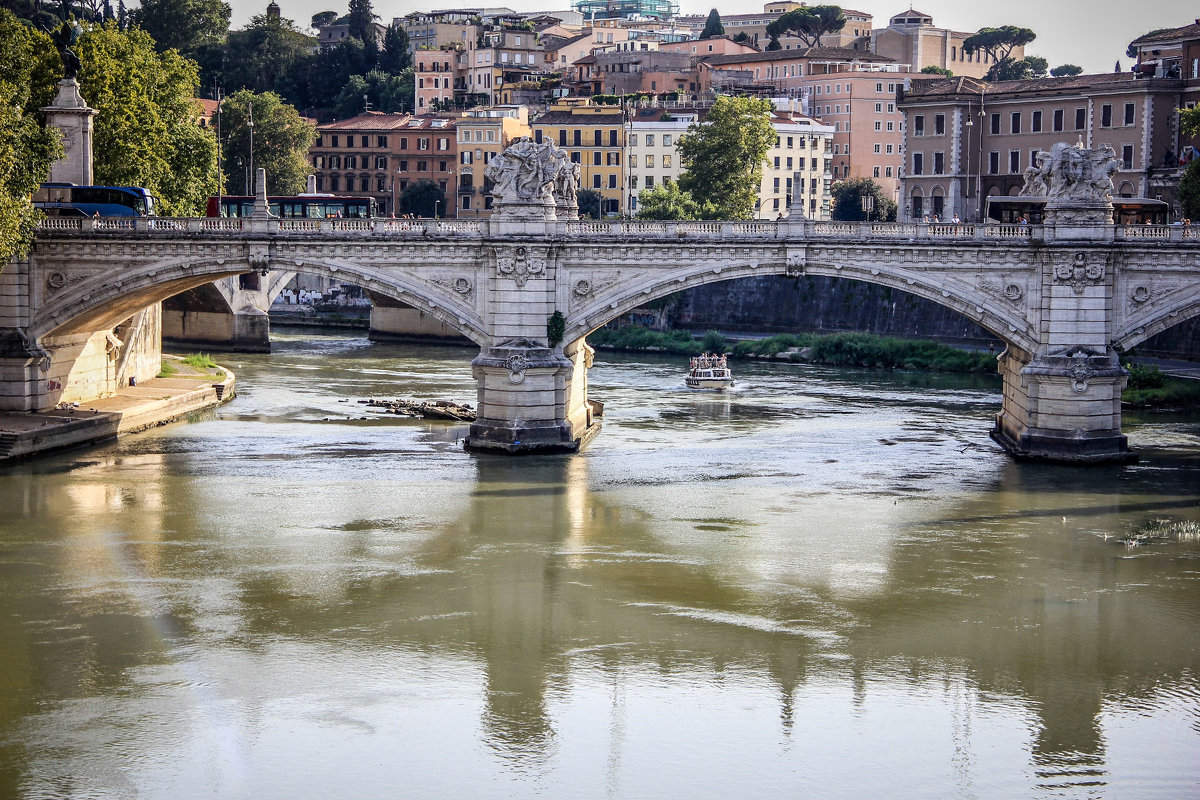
[{"x": 649, "y": 230}]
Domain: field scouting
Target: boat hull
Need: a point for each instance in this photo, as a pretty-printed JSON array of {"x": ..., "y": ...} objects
[{"x": 716, "y": 384}]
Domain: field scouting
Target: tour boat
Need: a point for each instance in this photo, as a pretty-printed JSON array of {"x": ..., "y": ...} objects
[{"x": 709, "y": 372}]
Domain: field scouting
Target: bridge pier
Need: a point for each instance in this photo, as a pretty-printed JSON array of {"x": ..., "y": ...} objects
[
  {"x": 222, "y": 315},
  {"x": 1064, "y": 408},
  {"x": 532, "y": 399}
]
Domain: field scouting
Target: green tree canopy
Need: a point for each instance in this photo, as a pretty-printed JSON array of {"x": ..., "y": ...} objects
[
  {"x": 395, "y": 57},
  {"x": 183, "y": 25},
  {"x": 933, "y": 69},
  {"x": 999, "y": 44},
  {"x": 713, "y": 26},
  {"x": 848, "y": 201},
  {"x": 28, "y": 67},
  {"x": 384, "y": 92},
  {"x": 773, "y": 44},
  {"x": 424, "y": 199},
  {"x": 146, "y": 132},
  {"x": 809, "y": 24},
  {"x": 1189, "y": 192},
  {"x": 1066, "y": 70},
  {"x": 281, "y": 142},
  {"x": 723, "y": 157},
  {"x": 1132, "y": 50},
  {"x": 361, "y": 21},
  {"x": 259, "y": 55},
  {"x": 590, "y": 203},
  {"x": 323, "y": 18},
  {"x": 1038, "y": 66},
  {"x": 667, "y": 201},
  {"x": 1189, "y": 121}
]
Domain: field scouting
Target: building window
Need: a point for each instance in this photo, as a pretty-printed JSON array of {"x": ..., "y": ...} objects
[
  {"x": 918, "y": 163},
  {"x": 333, "y": 183},
  {"x": 422, "y": 144},
  {"x": 1016, "y": 122},
  {"x": 404, "y": 166},
  {"x": 1058, "y": 120},
  {"x": 889, "y": 149},
  {"x": 939, "y": 163},
  {"x": 633, "y": 160},
  {"x": 596, "y": 181},
  {"x": 422, "y": 166},
  {"x": 1014, "y": 161},
  {"x": 333, "y": 140},
  {"x": 878, "y": 125},
  {"x": 1129, "y": 111},
  {"x": 994, "y": 162},
  {"x": 466, "y": 202},
  {"x": 1127, "y": 156},
  {"x": 649, "y": 181},
  {"x": 666, "y": 162},
  {"x": 650, "y": 160},
  {"x": 442, "y": 166},
  {"x": 878, "y": 149},
  {"x": 351, "y": 162},
  {"x": 1080, "y": 118},
  {"x": 891, "y": 126},
  {"x": 879, "y": 110},
  {"x": 887, "y": 172},
  {"x": 612, "y": 181},
  {"x": 612, "y": 138},
  {"x": 1106, "y": 115},
  {"x": 874, "y": 172},
  {"x": 918, "y": 123},
  {"x": 995, "y": 124},
  {"x": 939, "y": 124},
  {"x": 381, "y": 141},
  {"x": 1035, "y": 124},
  {"x": 381, "y": 184},
  {"x": 577, "y": 138},
  {"x": 380, "y": 162}
]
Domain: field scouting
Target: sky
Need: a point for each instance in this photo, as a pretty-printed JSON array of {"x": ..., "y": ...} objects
[{"x": 1090, "y": 33}]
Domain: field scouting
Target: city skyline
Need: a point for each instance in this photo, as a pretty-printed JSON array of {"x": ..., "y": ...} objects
[{"x": 1096, "y": 47}]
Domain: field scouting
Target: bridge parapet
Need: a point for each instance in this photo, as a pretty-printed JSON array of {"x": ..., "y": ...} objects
[{"x": 641, "y": 230}]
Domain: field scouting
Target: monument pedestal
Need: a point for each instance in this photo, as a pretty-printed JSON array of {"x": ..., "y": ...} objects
[{"x": 73, "y": 119}]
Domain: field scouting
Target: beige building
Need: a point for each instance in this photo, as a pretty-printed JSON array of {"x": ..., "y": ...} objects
[
  {"x": 802, "y": 150},
  {"x": 912, "y": 38},
  {"x": 482, "y": 134}
]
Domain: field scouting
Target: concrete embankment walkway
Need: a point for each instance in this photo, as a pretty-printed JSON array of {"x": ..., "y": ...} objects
[{"x": 133, "y": 408}]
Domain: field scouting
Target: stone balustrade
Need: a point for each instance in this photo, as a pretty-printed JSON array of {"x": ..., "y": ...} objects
[{"x": 641, "y": 230}]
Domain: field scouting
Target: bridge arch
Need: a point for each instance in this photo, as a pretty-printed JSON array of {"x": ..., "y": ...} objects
[
  {"x": 1138, "y": 329},
  {"x": 98, "y": 302},
  {"x": 1009, "y": 326}
]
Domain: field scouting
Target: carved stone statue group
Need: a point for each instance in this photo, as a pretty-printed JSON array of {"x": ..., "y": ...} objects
[
  {"x": 1072, "y": 173},
  {"x": 531, "y": 175}
]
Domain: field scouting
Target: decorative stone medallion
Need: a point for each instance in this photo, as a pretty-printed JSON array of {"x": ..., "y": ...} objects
[
  {"x": 519, "y": 266},
  {"x": 516, "y": 365},
  {"x": 1081, "y": 372},
  {"x": 1079, "y": 274}
]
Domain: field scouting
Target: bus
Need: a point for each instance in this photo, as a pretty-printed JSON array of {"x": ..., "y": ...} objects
[
  {"x": 302, "y": 206},
  {"x": 69, "y": 200},
  {"x": 1126, "y": 210}
]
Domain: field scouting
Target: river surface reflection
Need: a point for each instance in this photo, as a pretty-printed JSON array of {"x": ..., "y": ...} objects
[{"x": 829, "y": 584}]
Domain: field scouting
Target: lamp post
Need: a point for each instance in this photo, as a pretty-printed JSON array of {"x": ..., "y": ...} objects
[
  {"x": 250, "y": 127},
  {"x": 969, "y": 124},
  {"x": 436, "y": 203}
]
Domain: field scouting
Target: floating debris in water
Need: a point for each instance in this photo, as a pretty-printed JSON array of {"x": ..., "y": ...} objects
[
  {"x": 438, "y": 409},
  {"x": 1163, "y": 530}
]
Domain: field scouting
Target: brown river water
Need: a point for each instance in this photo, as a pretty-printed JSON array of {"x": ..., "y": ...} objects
[{"x": 828, "y": 584}]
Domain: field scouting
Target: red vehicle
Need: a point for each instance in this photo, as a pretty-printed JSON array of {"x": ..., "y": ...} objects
[{"x": 302, "y": 206}]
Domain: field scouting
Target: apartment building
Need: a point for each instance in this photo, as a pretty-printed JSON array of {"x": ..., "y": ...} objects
[
  {"x": 379, "y": 155},
  {"x": 965, "y": 140},
  {"x": 595, "y": 138},
  {"x": 856, "y": 35},
  {"x": 802, "y": 149},
  {"x": 482, "y": 134}
]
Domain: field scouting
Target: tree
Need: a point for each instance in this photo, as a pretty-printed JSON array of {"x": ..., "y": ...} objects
[
  {"x": 999, "y": 44},
  {"x": 424, "y": 199},
  {"x": 1189, "y": 191},
  {"x": 361, "y": 21},
  {"x": 590, "y": 203},
  {"x": 395, "y": 57},
  {"x": 281, "y": 142},
  {"x": 183, "y": 25},
  {"x": 1038, "y": 66},
  {"x": 259, "y": 55},
  {"x": 145, "y": 133},
  {"x": 809, "y": 24},
  {"x": 933, "y": 69},
  {"x": 28, "y": 67},
  {"x": 723, "y": 157},
  {"x": 667, "y": 201},
  {"x": 713, "y": 26},
  {"x": 773, "y": 45},
  {"x": 384, "y": 92},
  {"x": 323, "y": 18},
  {"x": 1066, "y": 70},
  {"x": 1189, "y": 121},
  {"x": 742, "y": 37},
  {"x": 848, "y": 201}
]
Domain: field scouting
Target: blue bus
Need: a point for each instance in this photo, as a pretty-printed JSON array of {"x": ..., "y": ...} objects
[{"x": 69, "y": 200}]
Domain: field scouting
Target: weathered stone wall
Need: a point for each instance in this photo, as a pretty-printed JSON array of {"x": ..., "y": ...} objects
[{"x": 774, "y": 304}]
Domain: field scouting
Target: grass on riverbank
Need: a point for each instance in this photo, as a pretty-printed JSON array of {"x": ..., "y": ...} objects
[
  {"x": 194, "y": 365},
  {"x": 1150, "y": 387},
  {"x": 838, "y": 349}
]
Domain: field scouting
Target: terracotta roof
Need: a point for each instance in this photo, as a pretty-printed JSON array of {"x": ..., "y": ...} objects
[
  {"x": 820, "y": 53},
  {"x": 567, "y": 118},
  {"x": 972, "y": 86},
  {"x": 1186, "y": 32},
  {"x": 370, "y": 121}
]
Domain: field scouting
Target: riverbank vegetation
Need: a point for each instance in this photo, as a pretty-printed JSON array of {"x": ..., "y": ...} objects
[
  {"x": 838, "y": 349},
  {"x": 1150, "y": 387}
]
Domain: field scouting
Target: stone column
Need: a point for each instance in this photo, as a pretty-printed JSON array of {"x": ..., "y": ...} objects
[
  {"x": 73, "y": 119},
  {"x": 1063, "y": 403}
]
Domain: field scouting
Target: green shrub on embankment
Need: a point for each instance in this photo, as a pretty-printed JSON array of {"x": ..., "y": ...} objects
[
  {"x": 839, "y": 349},
  {"x": 1150, "y": 387}
]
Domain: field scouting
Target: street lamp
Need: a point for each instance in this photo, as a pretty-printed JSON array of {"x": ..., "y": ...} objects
[
  {"x": 250, "y": 126},
  {"x": 868, "y": 205},
  {"x": 436, "y": 203}
]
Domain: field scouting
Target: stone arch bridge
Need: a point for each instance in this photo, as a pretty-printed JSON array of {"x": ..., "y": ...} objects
[{"x": 1065, "y": 299}]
